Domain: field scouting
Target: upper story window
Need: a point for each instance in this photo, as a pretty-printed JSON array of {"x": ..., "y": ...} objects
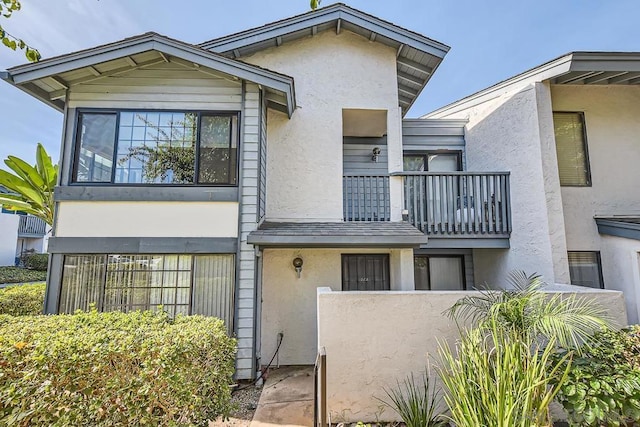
[
  {"x": 433, "y": 161},
  {"x": 156, "y": 147},
  {"x": 571, "y": 149}
]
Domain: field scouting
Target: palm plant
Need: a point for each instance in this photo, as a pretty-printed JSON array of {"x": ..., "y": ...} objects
[
  {"x": 31, "y": 187},
  {"x": 533, "y": 316}
]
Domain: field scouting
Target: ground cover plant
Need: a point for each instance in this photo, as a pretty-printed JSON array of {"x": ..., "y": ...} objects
[
  {"x": 105, "y": 369},
  {"x": 21, "y": 275},
  {"x": 22, "y": 300}
]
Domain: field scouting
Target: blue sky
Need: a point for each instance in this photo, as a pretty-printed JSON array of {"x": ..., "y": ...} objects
[{"x": 490, "y": 40}]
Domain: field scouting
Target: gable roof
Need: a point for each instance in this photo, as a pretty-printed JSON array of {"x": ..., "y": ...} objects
[
  {"x": 49, "y": 79},
  {"x": 574, "y": 68},
  {"x": 417, "y": 56}
]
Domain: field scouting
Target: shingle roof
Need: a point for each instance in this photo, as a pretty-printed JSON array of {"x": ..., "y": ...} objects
[{"x": 337, "y": 234}]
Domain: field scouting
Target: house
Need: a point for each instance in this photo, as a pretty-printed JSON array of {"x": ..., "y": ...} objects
[
  {"x": 571, "y": 125},
  {"x": 236, "y": 177},
  {"x": 20, "y": 233}
]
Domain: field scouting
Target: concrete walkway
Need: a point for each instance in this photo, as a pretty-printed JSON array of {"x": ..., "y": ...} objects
[{"x": 287, "y": 398}]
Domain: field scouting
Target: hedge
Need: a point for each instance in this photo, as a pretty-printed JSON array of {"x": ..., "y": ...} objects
[
  {"x": 22, "y": 300},
  {"x": 105, "y": 369},
  {"x": 39, "y": 262},
  {"x": 20, "y": 275}
]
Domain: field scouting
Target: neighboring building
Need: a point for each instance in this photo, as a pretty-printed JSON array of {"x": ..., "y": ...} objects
[
  {"x": 568, "y": 132},
  {"x": 203, "y": 179},
  {"x": 20, "y": 233}
]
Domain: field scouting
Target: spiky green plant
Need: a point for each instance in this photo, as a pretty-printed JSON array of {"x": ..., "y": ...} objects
[
  {"x": 533, "y": 316},
  {"x": 415, "y": 402},
  {"x": 498, "y": 380},
  {"x": 31, "y": 186}
]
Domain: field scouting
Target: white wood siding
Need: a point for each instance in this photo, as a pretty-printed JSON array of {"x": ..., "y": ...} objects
[
  {"x": 249, "y": 193},
  {"x": 262, "y": 203},
  {"x": 162, "y": 86}
]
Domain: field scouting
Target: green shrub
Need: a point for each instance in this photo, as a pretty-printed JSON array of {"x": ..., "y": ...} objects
[
  {"x": 39, "y": 262},
  {"x": 105, "y": 369},
  {"x": 21, "y": 275},
  {"x": 22, "y": 300},
  {"x": 603, "y": 385}
]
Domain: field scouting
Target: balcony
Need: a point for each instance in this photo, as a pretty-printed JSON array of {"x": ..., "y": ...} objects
[
  {"x": 455, "y": 209},
  {"x": 31, "y": 227}
]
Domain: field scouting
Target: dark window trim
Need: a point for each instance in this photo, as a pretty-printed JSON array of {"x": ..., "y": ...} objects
[
  {"x": 462, "y": 263},
  {"x": 585, "y": 143},
  {"x": 427, "y": 153},
  {"x": 598, "y": 260},
  {"x": 76, "y": 145},
  {"x": 386, "y": 256}
]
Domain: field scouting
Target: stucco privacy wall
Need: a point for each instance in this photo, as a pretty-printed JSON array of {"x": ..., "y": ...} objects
[
  {"x": 621, "y": 270},
  {"x": 289, "y": 302},
  {"x": 147, "y": 219},
  {"x": 8, "y": 238},
  {"x": 304, "y": 162},
  {"x": 612, "y": 129},
  {"x": 373, "y": 339},
  {"x": 503, "y": 134}
]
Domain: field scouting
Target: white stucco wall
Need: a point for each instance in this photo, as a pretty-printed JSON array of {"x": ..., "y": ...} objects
[
  {"x": 289, "y": 302},
  {"x": 8, "y": 238},
  {"x": 147, "y": 219},
  {"x": 304, "y": 161},
  {"x": 612, "y": 129},
  {"x": 373, "y": 339},
  {"x": 504, "y": 134},
  {"x": 621, "y": 270}
]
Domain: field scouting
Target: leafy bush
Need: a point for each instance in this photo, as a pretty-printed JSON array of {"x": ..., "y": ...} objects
[
  {"x": 603, "y": 384},
  {"x": 22, "y": 300},
  {"x": 39, "y": 262},
  {"x": 105, "y": 369},
  {"x": 21, "y": 275}
]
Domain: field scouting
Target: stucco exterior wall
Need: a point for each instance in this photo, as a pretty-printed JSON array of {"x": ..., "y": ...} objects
[
  {"x": 8, "y": 238},
  {"x": 147, "y": 219},
  {"x": 373, "y": 339},
  {"x": 304, "y": 162},
  {"x": 504, "y": 134},
  {"x": 612, "y": 129},
  {"x": 289, "y": 302},
  {"x": 621, "y": 270}
]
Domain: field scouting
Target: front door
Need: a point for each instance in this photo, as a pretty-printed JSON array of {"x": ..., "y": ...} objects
[{"x": 365, "y": 272}]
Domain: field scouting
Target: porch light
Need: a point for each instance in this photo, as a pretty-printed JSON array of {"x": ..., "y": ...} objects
[
  {"x": 376, "y": 154},
  {"x": 297, "y": 264}
]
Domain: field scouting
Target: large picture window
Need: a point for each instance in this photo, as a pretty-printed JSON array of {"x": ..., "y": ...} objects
[
  {"x": 157, "y": 147},
  {"x": 181, "y": 284},
  {"x": 439, "y": 273}
]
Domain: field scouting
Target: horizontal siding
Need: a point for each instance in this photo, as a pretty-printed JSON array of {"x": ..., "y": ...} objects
[
  {"x": 434, "y": 135},
  {"x": 357, "y": 153},
  {"x": 162, "y": 86}
]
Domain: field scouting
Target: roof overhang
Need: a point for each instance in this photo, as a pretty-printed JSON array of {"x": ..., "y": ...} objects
[
  {"x": 49, "y": 80},
  {"x": 337, "y": 235},
  {"x": 417, "y": 56},
  {"x": 627, "y": 227},
  {"x": 576, "y": 68}
]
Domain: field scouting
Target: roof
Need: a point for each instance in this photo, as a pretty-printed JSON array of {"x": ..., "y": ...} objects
[
  {"x": 574, "y": 68},
  {"x": 337, "y": 234},
  {"x": 623, "y": 226},
  {"x": 417, "y": 56},
  {"x": 49, "y": 79}
]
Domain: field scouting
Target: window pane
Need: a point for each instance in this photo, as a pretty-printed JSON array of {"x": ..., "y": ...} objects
[
  {"x": 585, "y": 269},
  {"x": 213, "y": 287},
  {"x": 443, "y": 163},
  {"x": 97, "y": 134},
  {"x": 156, "y": 148},
  {"x": 421, "y": 273},
  {"x": 438, "y": 273},
  {"x": 82, "y": 278},
  {"x": 218, "y": 150},
  {"x": 413, "y": 163},
  {"x": 573, "y": 166}
]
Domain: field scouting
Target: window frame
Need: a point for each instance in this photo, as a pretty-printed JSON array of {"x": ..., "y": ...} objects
[
  {"x": 581, "y": 115},
  {"x": 426, "y": 153},
  {"x": 75, "y": 151},
  {"x": 599, "y": 263},
  {"x": 462, "y": 264}
]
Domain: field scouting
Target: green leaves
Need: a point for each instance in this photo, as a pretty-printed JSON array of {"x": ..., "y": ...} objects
[
  {"x": 314, "y": 4},
  {"x": 7, "y": 7},
  {"x": 31, "y": 186}
]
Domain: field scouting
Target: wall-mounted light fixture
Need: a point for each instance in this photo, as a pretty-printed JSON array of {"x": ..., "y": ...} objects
[
  {"x": 376, "y": 154},
  {"x": 297, "y": 264}
]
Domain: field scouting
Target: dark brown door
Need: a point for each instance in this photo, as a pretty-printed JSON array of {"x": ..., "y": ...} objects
[{"x": 365, "y": 272}]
